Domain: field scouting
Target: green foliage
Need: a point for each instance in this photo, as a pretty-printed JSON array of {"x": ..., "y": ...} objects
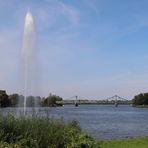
[
  {"x": 14, "y": 98},
  {"x": 4, "y": 99},
  {"x": 42, "y": 132},
  {"x": 51, "y": 100},
  {"x": 141, "y": 99},
  {"x": 33, "y": 101}
]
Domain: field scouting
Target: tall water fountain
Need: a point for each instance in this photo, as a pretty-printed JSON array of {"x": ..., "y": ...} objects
[{"x": 28, "y": 58}]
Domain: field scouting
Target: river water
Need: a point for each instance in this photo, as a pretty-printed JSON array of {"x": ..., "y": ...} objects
[{"x": 101, "y": 121}]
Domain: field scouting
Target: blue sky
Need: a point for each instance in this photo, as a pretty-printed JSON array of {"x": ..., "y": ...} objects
[{"x": 90, "y": 48}]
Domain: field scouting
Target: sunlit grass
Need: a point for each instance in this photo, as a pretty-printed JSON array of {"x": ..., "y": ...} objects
[{"x": 126, "y": 143}]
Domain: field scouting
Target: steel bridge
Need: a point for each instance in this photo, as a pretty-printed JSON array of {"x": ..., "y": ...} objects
[{"x": 80, "y": 100}]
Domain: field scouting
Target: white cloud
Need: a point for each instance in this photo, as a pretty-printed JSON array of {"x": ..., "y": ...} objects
[
  {"x": 55, "y": 13},
  {"x": 70, "y": 12}
]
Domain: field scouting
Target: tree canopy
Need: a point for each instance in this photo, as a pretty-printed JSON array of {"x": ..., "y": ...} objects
[
  {"x": 140, "y": 99},
  {"x": 51, "y": 100},
  {"x": 4, "y": 99},
  {"x": 16, "y": 100}
]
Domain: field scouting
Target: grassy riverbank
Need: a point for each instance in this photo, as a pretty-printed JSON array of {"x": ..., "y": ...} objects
[
  {"x": 126, "y": 143},
  {"x": 42, "y": 132},
  {"x": 45, "y": 132}
]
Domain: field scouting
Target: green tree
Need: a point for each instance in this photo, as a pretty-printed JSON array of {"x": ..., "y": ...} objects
[
  {"x": 21, "y": 100},
  {"x": 140, "y": 99},
  {"x": 33, "y": 101},
  {"x": 38, "y": 101},
  {"x": 51, "y": 100},
  {"x": 4, "y": 99},
  {"x": 30, "y": 101},
  {"x": 14, "y": 98}
]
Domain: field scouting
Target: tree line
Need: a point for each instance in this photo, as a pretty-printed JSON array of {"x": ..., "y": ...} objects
[
  {"x": 140, "y": 99},
  {"x": 15, "y": 100}
]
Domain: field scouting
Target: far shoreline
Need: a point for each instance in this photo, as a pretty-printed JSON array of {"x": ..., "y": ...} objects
[{"x": 140, "y": 106}]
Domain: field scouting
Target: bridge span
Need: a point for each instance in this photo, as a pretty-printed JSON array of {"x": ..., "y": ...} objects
[{"x": 79, "y": 100}]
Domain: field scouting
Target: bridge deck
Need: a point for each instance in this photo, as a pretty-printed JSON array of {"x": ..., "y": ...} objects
[{"x": 93, "y": 102}]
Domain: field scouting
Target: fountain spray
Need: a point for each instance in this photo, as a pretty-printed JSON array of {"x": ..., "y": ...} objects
[{"x": 27, "y": 56}]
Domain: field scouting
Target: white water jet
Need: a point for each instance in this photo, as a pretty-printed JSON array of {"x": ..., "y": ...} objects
[{"x": 28, "y": 57}]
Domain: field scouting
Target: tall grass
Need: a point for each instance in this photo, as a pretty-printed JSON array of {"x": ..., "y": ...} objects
[{"x": 42, "y": 132}]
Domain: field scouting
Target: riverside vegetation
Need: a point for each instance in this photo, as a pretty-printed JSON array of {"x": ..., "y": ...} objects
[
  {"x": 42, "y": 132},
  {"x": 45, "y": 132},
  {"x": 140, "y": 99},
  {"x": 16, "y": 100}
]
